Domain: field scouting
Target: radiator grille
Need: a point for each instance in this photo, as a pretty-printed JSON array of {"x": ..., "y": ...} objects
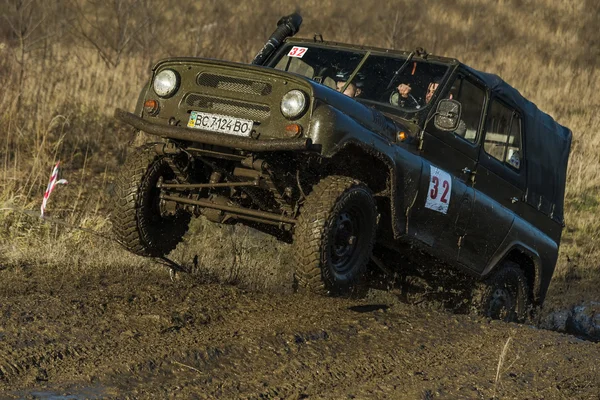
[
  {"x": 238, "y": 85},
  {"x": 255, "y": 112}
]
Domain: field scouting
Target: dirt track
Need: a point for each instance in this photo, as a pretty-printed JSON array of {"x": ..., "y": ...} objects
[{"x": 134, "y": 335}]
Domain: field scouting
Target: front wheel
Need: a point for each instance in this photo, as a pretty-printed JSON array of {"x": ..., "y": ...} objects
[
  {"x": 335, "y": 234},
  {"x": 504, "y": 295},
  {"x": 138, "y": 222}
]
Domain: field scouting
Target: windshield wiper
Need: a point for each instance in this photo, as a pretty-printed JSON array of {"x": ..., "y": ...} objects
[
  {"x": 408, "y": 59},
  {"x": 358, "y": 67}
]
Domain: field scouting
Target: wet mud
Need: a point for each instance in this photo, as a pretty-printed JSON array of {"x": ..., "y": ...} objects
[{"x": 141, "y": 335}]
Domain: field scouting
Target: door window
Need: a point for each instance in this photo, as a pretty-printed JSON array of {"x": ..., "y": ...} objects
[
  {"x": 503, "y": 135},
  {"x": 472, "y": 99},
  {"x": 513, "y": 151}
]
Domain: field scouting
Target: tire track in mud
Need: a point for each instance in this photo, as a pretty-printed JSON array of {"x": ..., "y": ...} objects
[
  {"x": 355, "y": 351},
  {"x": 343, "y": 355},
  {"x": 277, "y": 358},
  {"x": 159, "y": 339},
  {"x": 37, "y": 360}
]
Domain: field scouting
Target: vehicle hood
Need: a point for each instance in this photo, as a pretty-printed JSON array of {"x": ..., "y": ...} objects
[{"x": 366, "y": 115}]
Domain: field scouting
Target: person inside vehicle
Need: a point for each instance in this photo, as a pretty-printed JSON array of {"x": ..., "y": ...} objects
[
  {"x": 352, "y": 90},
  {"x": 402, "y": 96},
  {"x": 431, "y": 88}
]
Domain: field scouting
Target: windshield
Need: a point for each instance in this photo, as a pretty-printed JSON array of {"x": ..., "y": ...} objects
[{"x": 379, "y": 80}]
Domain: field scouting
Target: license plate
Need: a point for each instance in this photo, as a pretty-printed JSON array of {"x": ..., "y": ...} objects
[{"x": 220, "y": 123}]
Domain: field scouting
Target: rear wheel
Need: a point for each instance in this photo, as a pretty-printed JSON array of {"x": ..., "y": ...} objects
[
  {"x": 504, "y": 295},
  {"x": 139, "y": 223},
  {"x": 334, "y": 235}
]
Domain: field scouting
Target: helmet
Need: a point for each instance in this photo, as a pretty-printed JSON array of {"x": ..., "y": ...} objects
[{"x": 344, "y": 76}]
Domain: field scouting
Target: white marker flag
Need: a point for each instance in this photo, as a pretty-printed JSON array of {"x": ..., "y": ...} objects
[{"x": 51, "y": 185}]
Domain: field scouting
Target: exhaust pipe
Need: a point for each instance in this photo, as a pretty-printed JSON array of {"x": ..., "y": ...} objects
[{"x": 287, "y": 26}]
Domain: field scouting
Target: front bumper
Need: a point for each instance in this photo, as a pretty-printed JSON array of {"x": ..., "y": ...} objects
[{"x": 213, "y": 138}]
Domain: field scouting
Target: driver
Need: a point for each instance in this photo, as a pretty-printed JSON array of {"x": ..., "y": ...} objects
[{"x": 401, "y": 96}]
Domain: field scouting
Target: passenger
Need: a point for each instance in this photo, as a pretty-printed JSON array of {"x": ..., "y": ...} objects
[
  {"x": 433, "y": 85},
  {"x": 353, "y": 89}
]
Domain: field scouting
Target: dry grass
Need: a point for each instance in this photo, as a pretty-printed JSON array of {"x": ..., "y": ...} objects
[
  {"x": 59, "y": 90},
  {"x": 500, "y": 369}
]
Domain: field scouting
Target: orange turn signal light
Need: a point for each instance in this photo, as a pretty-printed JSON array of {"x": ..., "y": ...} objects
[
  {"x": 293, "y": 130},
  {"x": 402, "y": 136},
  {"x": 151, "y": 107}
]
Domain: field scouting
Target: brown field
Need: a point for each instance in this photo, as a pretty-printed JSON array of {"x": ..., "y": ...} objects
[{"x": 66, "y": 64}]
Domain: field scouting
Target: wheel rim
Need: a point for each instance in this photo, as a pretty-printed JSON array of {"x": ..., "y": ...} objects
[
  {"x": 345, "y": 239},
  {"x": 502, "y": 304},
  {"x": 159, "y": 220},
  {"x": 157, "y": 213}
]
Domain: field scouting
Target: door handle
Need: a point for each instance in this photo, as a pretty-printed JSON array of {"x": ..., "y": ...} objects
[
  {"x": 471, "y": 173},
  {"x": 514, "y": 200}
]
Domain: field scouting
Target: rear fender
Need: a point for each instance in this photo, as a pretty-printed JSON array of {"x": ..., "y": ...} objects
[{"x": 532, "y": 243}]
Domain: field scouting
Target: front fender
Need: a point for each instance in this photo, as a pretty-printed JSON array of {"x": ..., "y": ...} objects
[
  {"x": 331, "y": 130},
  {"x": 139, "y": 105}
]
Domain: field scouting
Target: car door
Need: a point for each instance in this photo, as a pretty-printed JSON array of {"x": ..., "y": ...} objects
[
  {"x": 499, "y": 186},
  {"x": 445, "y": 197}
]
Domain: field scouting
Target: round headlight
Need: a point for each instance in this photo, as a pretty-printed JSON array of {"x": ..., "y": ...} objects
[
  {"x": 166, "y": 82},
  {"x": 293, "y": 104}
]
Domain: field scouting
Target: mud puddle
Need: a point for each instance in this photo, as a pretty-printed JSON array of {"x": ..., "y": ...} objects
[{"x": 84, "y": 393}]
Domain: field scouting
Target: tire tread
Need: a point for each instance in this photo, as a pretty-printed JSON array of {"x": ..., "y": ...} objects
[
  {"x": 128, "y": 223},
  {"x": 311, "y": 228}
]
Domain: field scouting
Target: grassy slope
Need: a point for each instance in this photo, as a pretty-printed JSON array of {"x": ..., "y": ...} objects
[{"x": 546, "y": 49}]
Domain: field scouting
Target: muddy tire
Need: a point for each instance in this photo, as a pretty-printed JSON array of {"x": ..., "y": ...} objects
[
  {"x": 334, "y": 236},
  {"x": 504, "y": 295},
  {"x": 136, "y": 219}
]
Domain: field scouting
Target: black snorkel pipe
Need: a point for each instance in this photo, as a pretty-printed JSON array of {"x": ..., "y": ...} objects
[{"x": 287, "y": 26}]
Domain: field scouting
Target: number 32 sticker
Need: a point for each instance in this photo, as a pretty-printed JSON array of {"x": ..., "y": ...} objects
[
  {"x": 297, "y": 51},
  {"x": 440, "y": 190}
]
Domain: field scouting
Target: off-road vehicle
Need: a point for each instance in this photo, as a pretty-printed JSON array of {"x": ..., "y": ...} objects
[{"x": 339, "y": 148}]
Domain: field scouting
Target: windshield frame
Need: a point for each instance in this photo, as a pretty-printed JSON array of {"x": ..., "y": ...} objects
[{"x": 368, "y": 52}]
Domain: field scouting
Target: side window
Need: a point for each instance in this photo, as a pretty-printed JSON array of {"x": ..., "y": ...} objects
[
  {"x": 472, "y": 99},
  {"x": 503, "y": 135},
  {"x": 514, "y": 150}
]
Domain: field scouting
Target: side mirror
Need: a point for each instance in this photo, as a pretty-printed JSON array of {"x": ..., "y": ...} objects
[{"x": 447, "y": 115}]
